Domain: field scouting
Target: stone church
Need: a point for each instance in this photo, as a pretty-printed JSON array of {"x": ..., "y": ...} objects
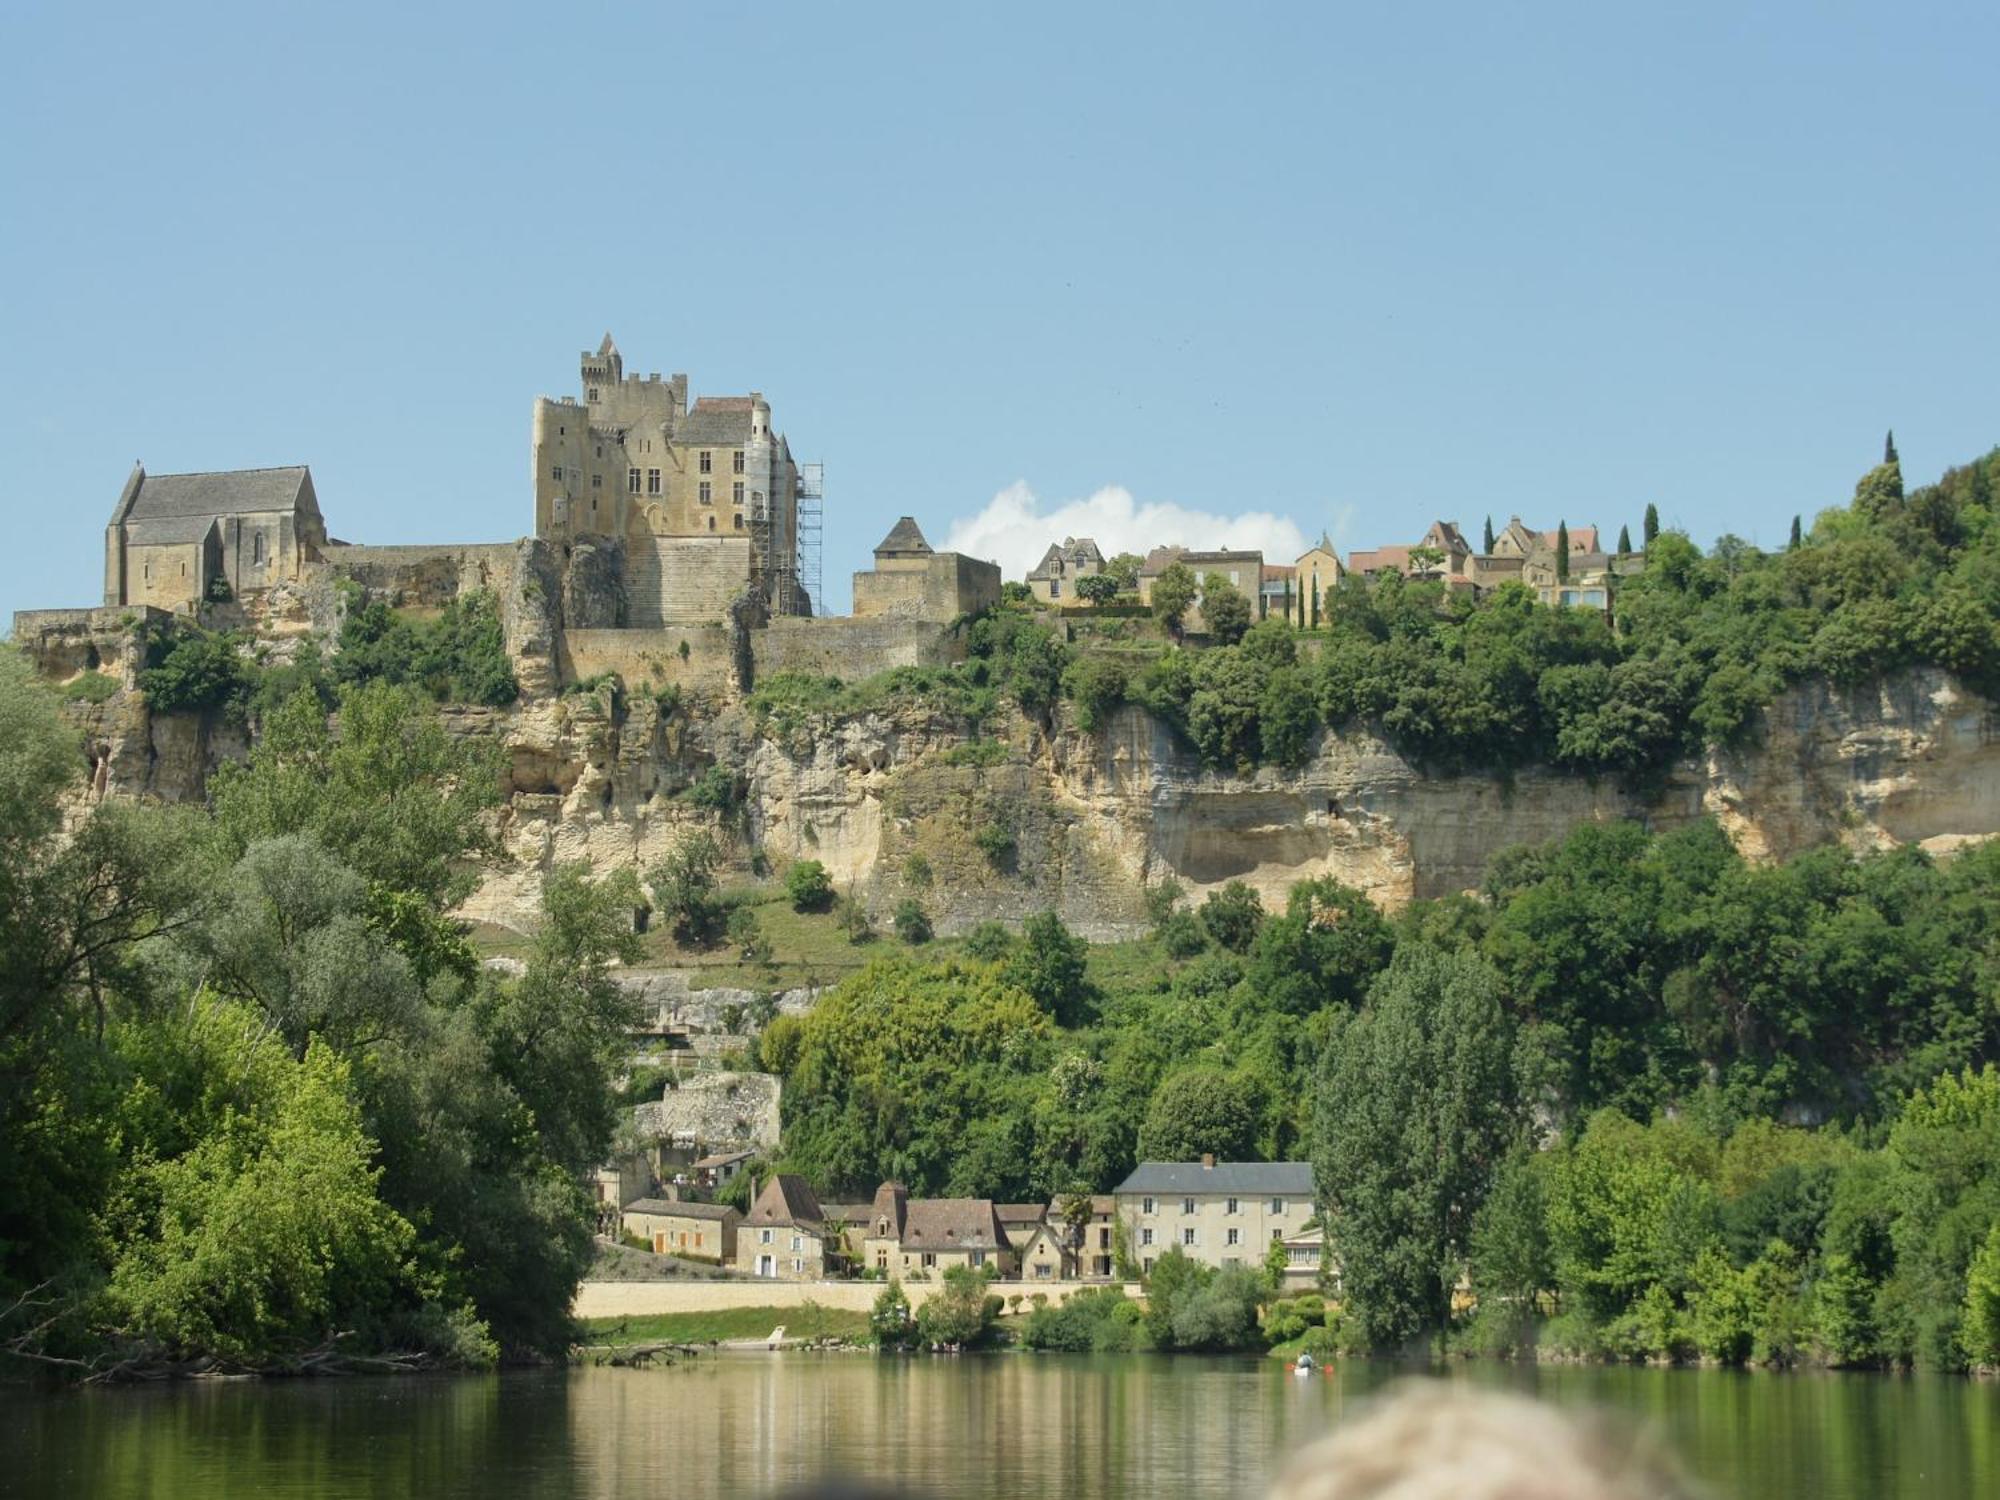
[{"x": 178, "y": 539}]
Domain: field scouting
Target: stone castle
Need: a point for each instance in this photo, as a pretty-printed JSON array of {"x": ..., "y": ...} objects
[{"x": 664, "y": 531}]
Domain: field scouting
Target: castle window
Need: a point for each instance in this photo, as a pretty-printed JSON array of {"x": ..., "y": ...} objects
[
  {"x": 711, "y": 523},
  {"x": 707, "y": 461},
  {"x": 737, "y": 456},
  {"x": 739, "y": 520},
  {"x": 556, "y": 472},
  {"x": 596, "y": 483},
  {"x": 632, "y": 480},
  {"x": 652, "y": 481},
  {"x": 706, "y": 497},
  {"x": 736, "y": 492},
  {"x": 592, "y": 394}
]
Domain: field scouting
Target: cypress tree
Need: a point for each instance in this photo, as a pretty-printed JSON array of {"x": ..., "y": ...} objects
[
  {"x": 1889, "y": 448},
  {"x": 1315, "y": 599},
  {"x": 1562, "y": 551},
  {"x": 1624, "y": 539},
  {"x": 1652, "y": 526},
  {"x": 1487, "y": 545},
  {"x": 1288, "y": 603},
  {"x": 1793, "y": 544}
]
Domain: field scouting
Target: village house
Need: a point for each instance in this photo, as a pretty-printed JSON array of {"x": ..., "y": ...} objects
[
  {"x": 1053, "y": 579},
  {"x": 1219, "y": 1213},
  {"x": 699, "y": 1231},
  {"x": 719, "y": 1169},
  {"x": 925, "y": 1237},
  {"x": 785, "y": 1235},
  {"x": 1316, "y": 574}
]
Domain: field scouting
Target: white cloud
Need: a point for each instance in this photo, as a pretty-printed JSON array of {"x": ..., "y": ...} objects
[{"x": 1014, "y": 530}]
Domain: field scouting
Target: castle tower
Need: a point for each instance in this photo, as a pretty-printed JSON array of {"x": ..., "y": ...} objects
[{"x": 603, "y": 369}]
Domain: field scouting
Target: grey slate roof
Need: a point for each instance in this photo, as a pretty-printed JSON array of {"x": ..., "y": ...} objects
[
  {"x": 168, "y": 530},
  {"x": 1291, "y": 1179},
  {"x": 715, "y": 421},
  {"x": 904, "y": 536},
  {"x": 669, "y": 1208},
  {"x": 230, "y": 492},
  {"x": 952, "y": 1224}
]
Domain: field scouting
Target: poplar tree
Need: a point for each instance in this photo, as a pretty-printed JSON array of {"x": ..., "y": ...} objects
[{"x": 1562, "y": 551}]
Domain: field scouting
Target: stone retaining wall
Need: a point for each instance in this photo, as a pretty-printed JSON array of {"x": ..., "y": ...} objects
[{"x": 640, "y": 1299}]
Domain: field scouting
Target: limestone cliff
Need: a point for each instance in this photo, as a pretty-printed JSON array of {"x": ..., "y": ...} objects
[{"x": 1089, "y": 819}]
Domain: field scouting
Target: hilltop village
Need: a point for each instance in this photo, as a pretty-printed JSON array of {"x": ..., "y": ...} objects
[{"x": 665, "y": 513}]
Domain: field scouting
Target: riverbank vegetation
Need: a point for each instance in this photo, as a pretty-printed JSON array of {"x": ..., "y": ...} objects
[
  {"x": 260, "y": 1108},
  {"x": 1633, "y": 1083}
]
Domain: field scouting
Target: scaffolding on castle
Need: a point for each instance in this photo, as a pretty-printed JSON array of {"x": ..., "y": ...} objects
[{"x": 811, "y": 521}]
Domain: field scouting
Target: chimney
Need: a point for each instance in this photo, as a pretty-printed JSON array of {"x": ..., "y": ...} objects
[{"x": 1208, "y": 1161}]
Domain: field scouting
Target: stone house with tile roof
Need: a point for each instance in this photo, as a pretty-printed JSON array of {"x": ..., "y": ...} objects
[
  {"x": 701, "y": 1231},
  {"x": 1053, "y": 579},
  {"x": 1220, "y": 1213},
  {"x": 175, "y": 540},
  {"x": 785, "y": 1235},
  {"x": 925, "y": 1237}
]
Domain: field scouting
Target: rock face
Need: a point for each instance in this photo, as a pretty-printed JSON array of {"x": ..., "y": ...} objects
[
  {"x": 713, "y": 1110},
  {"x": 895, "y": 802},
  {"x": 892, "y": 803}
]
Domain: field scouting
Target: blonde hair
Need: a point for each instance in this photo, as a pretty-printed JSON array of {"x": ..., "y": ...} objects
[{"x": 1429, "y": 1440}]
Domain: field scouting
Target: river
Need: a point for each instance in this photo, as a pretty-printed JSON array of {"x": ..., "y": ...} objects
[{"x": 1013, "y": 1426}]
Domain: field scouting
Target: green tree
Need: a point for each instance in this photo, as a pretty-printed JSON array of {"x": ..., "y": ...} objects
[
  {"x": 1486, "y": 538},
  {"x": 1225, "y": 609},
  {"x": 1097, "y": 685},
  {"x": 1048, "y": 964},
  {"x": 1624, "y": 540},
  {"x": 684, "y": 889},
  {"x": 1123, "y": 567},
  {"x": 1797, "y": 538},
  {"x": 890, "y": 1325},
  {"x": 962, "y": 1313},
  {"x": 1097, "y": 589},
  {"x": 1203, "y": 1110},
  {"x": 1328, "y": 945},
  {"x": 912, "y": 922},
  {"x": 1415, "y": 1111},
  {"x": 1232, "y": 916},
  {"x": 1174, "y": 593},
  {"x": 1562, "y": 551},
  {"x": 1650, "y": 530},
  {"x": 808, "y": 886},
  {"x": 1510, "y": 1262}
]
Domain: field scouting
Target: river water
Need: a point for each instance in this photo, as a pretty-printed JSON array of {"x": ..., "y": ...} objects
[{"x": 1012, "y": 1426}]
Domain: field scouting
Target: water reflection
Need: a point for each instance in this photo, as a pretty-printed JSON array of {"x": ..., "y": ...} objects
[{"x": 965, "y": 1429}]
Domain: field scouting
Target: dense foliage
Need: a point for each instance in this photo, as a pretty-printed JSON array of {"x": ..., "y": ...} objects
[
  {"x": 258, "y": 1104},
  {"x": 1467, "y": 1078},
  {"x": 1693, "y": 647}
]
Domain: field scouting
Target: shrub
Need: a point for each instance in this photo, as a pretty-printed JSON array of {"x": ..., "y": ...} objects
[
  {"x": 683, "y": 886},
  {"x": 996, "y": 843},
  {"x": 90, "y": 687},
  {"x": 808, "y": 886},
  {"x": 989, "y": 942},
  {"x": 851, "y": 916},
  {"x": 717, "y": 790},
  {"x": 917, "y": 873},
  {"x": 190, "y": 670},
  {"x": 1232, "y": 915},
  {"x": 913, "y": 925}
]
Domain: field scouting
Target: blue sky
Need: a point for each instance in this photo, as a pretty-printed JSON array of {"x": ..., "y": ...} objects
[{"x": 1226, "y": 270}]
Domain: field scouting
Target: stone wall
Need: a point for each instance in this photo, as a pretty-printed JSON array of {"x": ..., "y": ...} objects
[
  {"x": 715, "y": 1111},
  {"x": 640, "y": 1299},
  {"x": 851, "y": 648},
  {"x": 674, "y": 580},
  {"x": 651, "y": 657},
  {"x": 947, "y": 586}
]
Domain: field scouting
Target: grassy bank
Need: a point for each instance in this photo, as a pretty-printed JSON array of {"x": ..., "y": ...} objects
[{"x": 807, "y": 1322}]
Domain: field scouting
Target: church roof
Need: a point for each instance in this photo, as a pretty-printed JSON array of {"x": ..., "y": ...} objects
[
  {"x": 228, "y": 492},
  {"x": 904, "y": 536},
  {"x": 169, "y": 530},
  {"x": 719, "y": 421}
]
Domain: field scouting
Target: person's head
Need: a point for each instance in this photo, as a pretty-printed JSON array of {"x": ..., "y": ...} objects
[{"x": 1428, "y": 1440}]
